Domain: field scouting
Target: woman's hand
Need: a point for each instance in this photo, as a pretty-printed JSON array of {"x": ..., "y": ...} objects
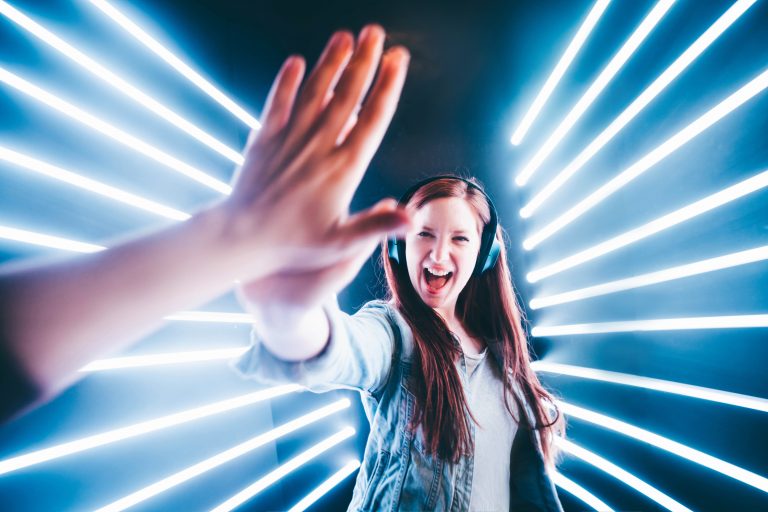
[
  {"x": 283, "y": 293},
  {"x": 288, "y": 212}
]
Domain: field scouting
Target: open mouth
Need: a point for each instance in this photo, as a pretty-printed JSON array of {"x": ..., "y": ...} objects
[{"x": 436, "y": 282}]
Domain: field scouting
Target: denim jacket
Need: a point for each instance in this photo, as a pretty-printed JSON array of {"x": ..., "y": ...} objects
[{"x": 373, "y": 352}]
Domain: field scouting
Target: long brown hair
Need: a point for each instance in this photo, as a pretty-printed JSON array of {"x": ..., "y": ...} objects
[{"x": 487, "y": 308}]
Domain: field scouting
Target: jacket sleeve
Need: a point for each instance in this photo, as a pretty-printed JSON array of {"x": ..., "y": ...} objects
[{"x": 359, "y": 354}]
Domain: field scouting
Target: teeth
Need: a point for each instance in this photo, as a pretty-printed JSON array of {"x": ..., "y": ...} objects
[{"x": 437, "y": 273}]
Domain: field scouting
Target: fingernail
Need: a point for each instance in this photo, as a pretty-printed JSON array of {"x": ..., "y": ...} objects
[
  {"x": 336, "y": 40},
  {"x": 370, "y": 30}
]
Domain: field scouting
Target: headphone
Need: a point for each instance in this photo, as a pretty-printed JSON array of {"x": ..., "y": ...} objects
[{"x": 489, "y": 245}]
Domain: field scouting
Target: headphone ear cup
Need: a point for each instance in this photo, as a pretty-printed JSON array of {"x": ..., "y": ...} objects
[
  {"x": 493, "y": 255},
  {"x": 392, "y": 250}
]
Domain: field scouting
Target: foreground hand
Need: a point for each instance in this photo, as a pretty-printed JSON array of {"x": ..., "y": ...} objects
[
  {"x": 306, "y": 289},
  {"x": 290, "y": 204}
]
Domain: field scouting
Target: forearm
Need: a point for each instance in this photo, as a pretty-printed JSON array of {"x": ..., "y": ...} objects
[
  {"x": 291, "y": 333},
  {"x": 61, "y": 316}
]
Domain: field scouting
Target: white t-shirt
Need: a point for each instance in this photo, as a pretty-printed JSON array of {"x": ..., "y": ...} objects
[{"x": 494, "y": 432}]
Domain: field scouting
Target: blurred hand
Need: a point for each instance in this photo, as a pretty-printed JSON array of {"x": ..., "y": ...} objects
[
  {"x": 307, "y": 289},
  {"x": 289, "y": 211}
]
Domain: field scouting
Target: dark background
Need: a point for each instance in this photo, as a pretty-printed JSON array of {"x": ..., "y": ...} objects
[{"x": 475, "y": 69}]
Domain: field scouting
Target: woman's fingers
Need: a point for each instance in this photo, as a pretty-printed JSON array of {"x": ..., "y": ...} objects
[
  {"x": 363, "y": 141},
  {"x": 353, "y": 84},
  {"x": 279, "y": 105},
  {"x": 321, "y": 82},
  {"x": 365, "y": 229}
]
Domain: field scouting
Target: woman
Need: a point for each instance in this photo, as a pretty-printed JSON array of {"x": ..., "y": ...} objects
[{"x": 448, "y": 430}]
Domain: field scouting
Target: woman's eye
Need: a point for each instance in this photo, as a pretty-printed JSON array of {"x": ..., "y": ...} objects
[
  {"x": 461, "y": 239},
  {"x": 424, "y": 234}
]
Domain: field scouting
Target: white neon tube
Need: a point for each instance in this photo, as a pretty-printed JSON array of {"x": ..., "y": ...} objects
[
  {"x": 606, "y": 75},
  {"x": 101, "y": 72},
  {"x": 146, "y": 360},
  {"x": 57, "y": 173},
  {"x": 55, "y": 242},
  {"x": 708, "y": 119},
  {"x": 581, "y": 493},
  {"x": 657, "y": 225},
  {"x": 223, "y": 457},
  {"x": 112, "y": 132},
  {"x": 325, "y": 487},
  {"x": 660, "y": 324},
  {"x": 679, "y": 449},
  {"x": 138, "y": 429},
  {"x": 653, "y": 90},
  {"x": 211, "y": 316},
  {"x": 621, "y": 475},
  {"x": 651, "y": 278},
  {"x": 666, "y": 386},
  {"x": 562, "y": 66},
  {"x": 283, "y": 470},
  {"x": 184, "y": 69}
]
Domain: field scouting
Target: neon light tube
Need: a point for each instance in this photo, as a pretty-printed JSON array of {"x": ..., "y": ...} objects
[
  {"x": 212, "y": 316},
  {"x": 562, "y": 66},
  {"x": 657, "y": 225},
  {"x": 55, "y": 242},
  {"x": 660, "y": 324},
  {"x": 112, "y": 132},
  {"x": 101, "y": 72},
  {"x": 711, "y": 117},
  {"x": 666, "y": 386},
  {"x": 57, "y": 173},
  {"x": 681, "y": 450},
  {"x": 660, "y": 276},
  {"x": 138, "y": 429},
  {"x": 325, "y": 487},
  {"x": 272, "y": 477},
  {"x": 146, "y": 360},
  {"x": 581, "y": 493},
  {"x": 184, "y": 69},
  {"x": 606, "y": 75},
  {"x": 653, "y": 90},
  {"x": 621, "y": 475},
  {"x": 223, "y": 457}
]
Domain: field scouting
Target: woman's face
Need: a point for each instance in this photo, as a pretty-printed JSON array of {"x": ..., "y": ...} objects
[{"x": 441, "y": 251}]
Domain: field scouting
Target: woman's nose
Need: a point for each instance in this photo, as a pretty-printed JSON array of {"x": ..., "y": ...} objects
[{"x": 440, "y": 251}]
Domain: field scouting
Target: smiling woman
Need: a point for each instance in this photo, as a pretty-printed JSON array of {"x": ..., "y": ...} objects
[{"x": 458, "y": 418}]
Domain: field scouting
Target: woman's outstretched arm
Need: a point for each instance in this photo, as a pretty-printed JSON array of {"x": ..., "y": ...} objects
[
  {"x": 284, "y": 215},
  {"x": 287, "y": 305}
]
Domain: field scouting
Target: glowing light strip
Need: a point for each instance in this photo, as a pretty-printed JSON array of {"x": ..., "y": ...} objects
[
  {"x": 212, "y": 316},
  {"x": 138, "y": 429},
  {"x": 681, "y": 450},
  {"x": 657, "y": 225},
  {"x": 660, "y": 324},
  {"x": 55, "y": 242},
  {"x": 185, "y": 70},
  {"x": 223, "y": 457},
  {"x": 163, "y": 359},
  {"x": 653, "y": 90},
  {"x": 51, "y": 171},
  {"x": 118, "y": 83},
  {"x": 714, "y": 115},
  {"x": 272, "y": 477},
  {"x": 660, "y": 276},
  {"x": 325, "y": 487},
  {"x": 666, "y": 386},
  {"x": 112, "y": 132},
  {"x": 622, "y": 475},
  {"x": 606, "y": 75},
  {"x": 562, "y": 66},
  {"x": 581, "y": 493}
]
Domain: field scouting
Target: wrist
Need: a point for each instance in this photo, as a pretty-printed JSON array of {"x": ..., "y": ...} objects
[{"x": 236, "y": 248}]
